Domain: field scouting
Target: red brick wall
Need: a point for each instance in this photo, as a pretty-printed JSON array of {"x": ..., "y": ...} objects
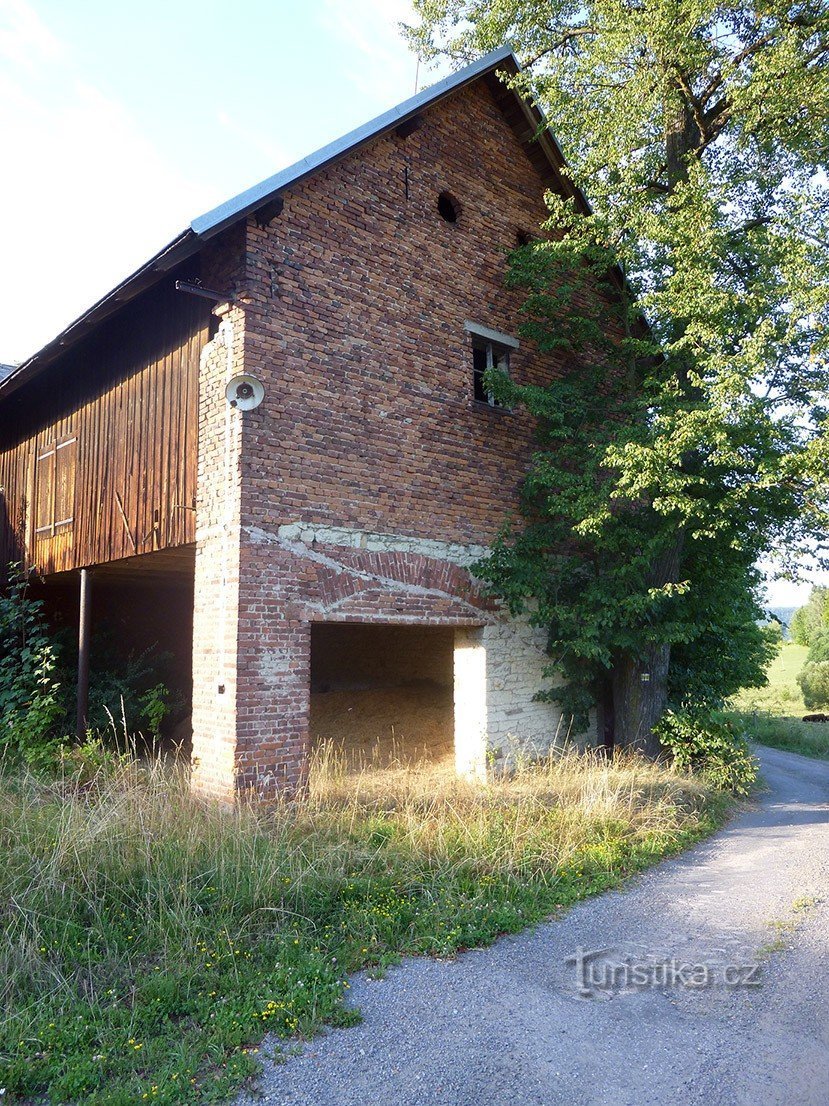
[
  {"x": 360, "y": 299},
  {"x": 356, "y": 297}
]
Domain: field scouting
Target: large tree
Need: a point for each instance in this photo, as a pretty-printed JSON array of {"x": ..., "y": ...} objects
[
  {"x": 812, "y": 618},
  {"x": 690, "y": 302}
]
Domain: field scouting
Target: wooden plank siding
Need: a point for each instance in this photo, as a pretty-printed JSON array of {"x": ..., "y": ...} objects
[{"x": 106, "y": 437}]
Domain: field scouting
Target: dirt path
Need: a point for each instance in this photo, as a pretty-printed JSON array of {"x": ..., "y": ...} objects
[{"x": 513, "y": 1024}]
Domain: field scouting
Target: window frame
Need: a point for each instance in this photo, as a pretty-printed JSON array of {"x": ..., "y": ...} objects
[
  {"x": 48, "y": 452},
  {"x": 498, "y": 348}
]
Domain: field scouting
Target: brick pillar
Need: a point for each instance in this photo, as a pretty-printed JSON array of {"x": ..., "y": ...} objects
[
  {"x": 274, "y": 690},
  {"x": 470, "y": 703},
  {"x": 216, "y": 600},
  {"x": 251, "y": 642}
]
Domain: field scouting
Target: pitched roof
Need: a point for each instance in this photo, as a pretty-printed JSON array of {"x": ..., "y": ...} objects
[{"x": 528, "y": 121}]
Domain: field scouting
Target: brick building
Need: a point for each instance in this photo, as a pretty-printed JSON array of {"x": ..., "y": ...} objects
[{"x": 320, "y": 541}]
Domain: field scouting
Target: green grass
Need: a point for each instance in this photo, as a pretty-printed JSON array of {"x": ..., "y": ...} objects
[
  {"x": 781, "y": 696},
  {"x": 772, "y": 715},
  {"x": 151, "y": 941},
  {"x": 810, "y": 739}
]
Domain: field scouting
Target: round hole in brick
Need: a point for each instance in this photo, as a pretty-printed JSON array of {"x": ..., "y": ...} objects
[{"x": 448, "y": 207}]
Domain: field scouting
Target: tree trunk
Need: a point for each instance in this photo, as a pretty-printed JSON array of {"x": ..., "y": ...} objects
[
  {"x": 605, "y": 718},
  {"x": 640, "y": 680},
  {"x": 640, "y": 695}
]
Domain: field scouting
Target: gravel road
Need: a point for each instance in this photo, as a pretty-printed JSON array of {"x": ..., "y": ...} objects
[{"x": 712, "y": 987}]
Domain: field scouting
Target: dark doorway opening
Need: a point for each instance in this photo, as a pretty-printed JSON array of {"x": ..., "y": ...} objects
[
  {"x": 382, "y": 694},
  {"x": 140, "y": 629}
]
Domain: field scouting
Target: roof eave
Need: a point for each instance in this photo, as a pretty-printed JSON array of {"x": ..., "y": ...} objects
[
  {"x": 213, "y": 222},
  {"x": 181, "y": 247}
]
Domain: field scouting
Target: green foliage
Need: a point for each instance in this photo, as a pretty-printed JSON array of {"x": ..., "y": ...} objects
[
  {"x": 86, "y": 761},
  {"x": 811, "y": 618},
  {"x": 773, "y": 633},
  {"x": 713, "y": 744},
  {"x": 814, "y": 684},
  {"x": 798, "y": 627},
  {"x": 155, "y": 939},
  {"x": 819, "y": 645},
  {"x": 31, "y": 709},
  {"x": 127, "y": 690},
  {"x": 38, "y": 673},
  {"x": 155, "y": 707},
  {"x": 813, "y": 629},
  {"x": 726, "y": 646},
  {"x": 672, "y": 454}
]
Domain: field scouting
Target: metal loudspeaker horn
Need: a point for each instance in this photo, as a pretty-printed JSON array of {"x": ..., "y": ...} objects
[{"x": 244, "y": 392}]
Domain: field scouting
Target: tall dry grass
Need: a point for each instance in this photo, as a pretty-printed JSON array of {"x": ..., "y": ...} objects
[
  {"x": 151, "y": 939},
  {"x": 552, "y": 806}
]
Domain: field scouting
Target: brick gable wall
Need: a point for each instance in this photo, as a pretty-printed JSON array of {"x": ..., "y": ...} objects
[
  {"x": 369, "y": 478},
  {"x": 359, "y": 302}
]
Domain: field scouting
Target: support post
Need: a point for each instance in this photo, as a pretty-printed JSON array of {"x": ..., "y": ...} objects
[
  {"x": 470, "y": 704},
  {"x": 83, "y": 651}
]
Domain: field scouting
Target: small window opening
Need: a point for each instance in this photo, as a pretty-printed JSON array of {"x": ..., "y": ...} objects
[
  {"x": 448, "y": 207},
  {"x": 523, "y": 238},
  {"x": 55, "y": 488},
  {"x": 487, "y": 355}
]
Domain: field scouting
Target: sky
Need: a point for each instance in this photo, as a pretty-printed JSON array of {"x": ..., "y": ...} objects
[{"x": 122, "y": 122}]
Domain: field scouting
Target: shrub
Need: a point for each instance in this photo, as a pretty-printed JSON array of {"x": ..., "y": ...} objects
[
  {"x": 711, "y": 744},
  {"x": 814, "y": 683},
  {"x": 799, "y": 629},
  {"x": 31, "y": 707},
  {"x": 810, "y": 619},
  {"x": 38, "y": 666},
  {"x": 125, "y": 686},
  {"x": 819, "y": 646}
]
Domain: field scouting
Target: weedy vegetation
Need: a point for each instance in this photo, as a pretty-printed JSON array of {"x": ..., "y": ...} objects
[
  {"x": 810, "y": 739},
  {"x": 151, "y": 941}
]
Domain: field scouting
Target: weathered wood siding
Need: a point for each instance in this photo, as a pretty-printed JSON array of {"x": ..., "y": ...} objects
[{"x": 98, "y": 453}]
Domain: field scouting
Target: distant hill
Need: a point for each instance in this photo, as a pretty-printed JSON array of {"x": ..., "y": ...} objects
[{"x": 785, "y": 616}]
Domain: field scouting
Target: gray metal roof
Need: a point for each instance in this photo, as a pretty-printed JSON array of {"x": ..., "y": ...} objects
[
  {"x": 213, "y": 221},
  {"x": 6, "y": 370},
  {"x": 206, "y": 226}
]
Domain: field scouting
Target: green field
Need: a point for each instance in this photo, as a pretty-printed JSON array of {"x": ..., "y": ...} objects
[
  {"x": 773, "y": 714},
  {"x": 782, "y": 694}
]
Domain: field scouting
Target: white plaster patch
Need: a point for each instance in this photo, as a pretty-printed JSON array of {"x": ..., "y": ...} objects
[
  {"x": 273, "y": 664},
  {"x": 302, "y": 544},
  {"x": 455, "y": 552}
]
